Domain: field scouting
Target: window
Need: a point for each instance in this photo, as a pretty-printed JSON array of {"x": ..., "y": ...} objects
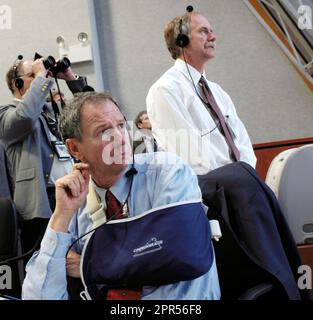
[{"x": 290, "y": 23}]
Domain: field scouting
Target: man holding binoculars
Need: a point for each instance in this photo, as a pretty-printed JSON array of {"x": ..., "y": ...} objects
[{"x": 34, "y": 149}]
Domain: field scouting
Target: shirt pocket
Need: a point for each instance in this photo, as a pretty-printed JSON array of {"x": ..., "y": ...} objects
[{"x": 25, "y": 174}]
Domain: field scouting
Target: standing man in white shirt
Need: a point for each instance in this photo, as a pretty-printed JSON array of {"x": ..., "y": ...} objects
[{"x": 182, "y": 119}]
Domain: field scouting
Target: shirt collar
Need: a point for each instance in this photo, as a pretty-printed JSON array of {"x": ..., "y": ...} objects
[
  {"x": 120, "y": 189},
  {"x": 195, "y": 74}
]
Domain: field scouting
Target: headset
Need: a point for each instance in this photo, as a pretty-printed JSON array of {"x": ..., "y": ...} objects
[
  {"x": 18, "y": 82},
  {"x": 182, "y": 39}
]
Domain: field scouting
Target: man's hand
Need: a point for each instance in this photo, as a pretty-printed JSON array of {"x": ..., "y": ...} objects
[
  {"x": 73, "y": 264},
  {"x": 38, "y": 68},
  {"x": 70, "y": 193},
  {"x": 66, "y": 75}
]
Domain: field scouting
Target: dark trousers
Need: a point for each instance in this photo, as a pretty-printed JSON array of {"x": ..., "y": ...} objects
[{"x": 32, "y": 231}]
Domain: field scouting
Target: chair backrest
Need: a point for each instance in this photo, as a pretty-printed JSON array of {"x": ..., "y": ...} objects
[
  {"x": 9, "y": 245},
  {"x": 290, "y": 176},
  {"x": 8, "y": 229}
]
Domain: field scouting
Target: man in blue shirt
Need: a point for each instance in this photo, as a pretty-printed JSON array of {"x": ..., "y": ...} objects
[{"x": 95, "y": 133}]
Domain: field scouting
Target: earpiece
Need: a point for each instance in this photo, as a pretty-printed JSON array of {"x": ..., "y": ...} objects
[
  {"x": 182, "y": 39},
  {"x": 131, "y": 172},
  {"x": 18, "y": 82}
]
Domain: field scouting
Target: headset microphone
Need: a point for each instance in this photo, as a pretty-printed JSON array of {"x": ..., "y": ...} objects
[{"x": 131, "y": 172}]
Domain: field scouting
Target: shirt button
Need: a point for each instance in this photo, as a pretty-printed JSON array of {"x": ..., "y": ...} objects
[
  {"x": 51, "y": 155},
  {"x": 52, "y": 242},
  {"x": 46, "y": 175}
]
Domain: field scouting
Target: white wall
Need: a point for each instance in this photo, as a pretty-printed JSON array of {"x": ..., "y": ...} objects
[
  {"x": 35, "y": 27},
  {"x": 271, "y": 98}
]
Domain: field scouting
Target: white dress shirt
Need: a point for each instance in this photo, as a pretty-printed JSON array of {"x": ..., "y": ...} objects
[{"x": 182, "y": 124}]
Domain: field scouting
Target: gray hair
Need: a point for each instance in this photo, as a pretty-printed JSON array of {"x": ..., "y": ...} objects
[{"x": 70, "y": 125}]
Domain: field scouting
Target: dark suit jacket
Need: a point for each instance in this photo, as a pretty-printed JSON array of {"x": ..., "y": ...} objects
[
  {"x": 252, "y": 213},
  {"x": 5, "y": 190}
]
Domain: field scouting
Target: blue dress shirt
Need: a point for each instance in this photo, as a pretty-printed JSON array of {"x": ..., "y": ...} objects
[{"x": 162, "y": 179}]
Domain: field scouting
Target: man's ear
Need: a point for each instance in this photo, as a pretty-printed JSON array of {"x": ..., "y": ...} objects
[{"x": 74, "y": 148}]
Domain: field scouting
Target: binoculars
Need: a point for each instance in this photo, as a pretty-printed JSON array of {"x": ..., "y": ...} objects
[{"x": 52, "y": 65}]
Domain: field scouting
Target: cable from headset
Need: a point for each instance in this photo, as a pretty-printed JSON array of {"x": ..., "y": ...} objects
[
  {"x": 59, "y": 91},
  {"x": 130, "y": 173},
  {"x": 198, "y": 94},
  {"x": 133, "y": 172}
]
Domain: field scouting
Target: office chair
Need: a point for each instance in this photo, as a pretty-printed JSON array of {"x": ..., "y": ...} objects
[
  {"x": 290, "y": 176},
  {"x": 9, "y": 243}
]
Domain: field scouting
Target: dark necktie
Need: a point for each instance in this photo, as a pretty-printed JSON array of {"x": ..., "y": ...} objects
[
  {"x": 114, "y": 208},
  {"x": 155, "y": 146},
  {"x": 215, "y": 108},
  {"x": 114, "y": 211}
]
